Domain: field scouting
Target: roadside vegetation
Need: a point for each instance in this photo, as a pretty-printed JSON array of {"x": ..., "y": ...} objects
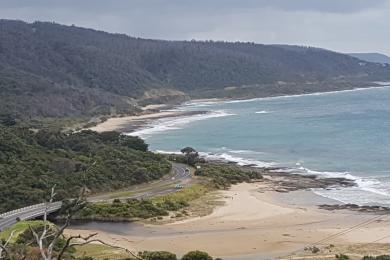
[
  {"x": 210, "y": 176},
  {"x": 222, "y": 175},
  {"x": 31, "y": 162},
  {"x": 132, "y": 209},
  {"x": 18, "y": 229}
]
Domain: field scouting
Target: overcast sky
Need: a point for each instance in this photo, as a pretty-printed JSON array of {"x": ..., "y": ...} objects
[{"x": 341, "y": 25}]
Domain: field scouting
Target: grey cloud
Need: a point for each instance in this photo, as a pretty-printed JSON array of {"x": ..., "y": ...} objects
[
  {"x": 102, "y": 6},
  {"x": 344, "y": 25}
]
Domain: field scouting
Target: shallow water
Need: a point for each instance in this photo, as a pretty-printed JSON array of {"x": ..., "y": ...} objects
[{"x": 331, "y": 134}]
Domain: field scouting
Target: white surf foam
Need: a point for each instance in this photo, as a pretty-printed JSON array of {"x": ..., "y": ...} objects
[
  {"x": 384, "y": 85},
  {"x": 239, "y": 160},
  {"x": 167, "y": 124},
  {"x": 245, "y": 152},
  {"x": 261, "y": 112},
  {"x": 365, "y": 192},
  {"x": 196, "y": 103},
  {"x": 228, "y": 158},
  {"x": 367, "y": 187},
  {"x": 167, "y": 152}
]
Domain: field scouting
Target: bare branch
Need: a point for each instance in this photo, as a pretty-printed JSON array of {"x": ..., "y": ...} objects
[
  {"x": 87, "y": 240},
  {"x": 80, "y": 201},
  {"x": 106, "y": 244},
  {"x": 68, "y": 243},
  {"x": 39, "y": 242},
  {"x": 10, "y": 237},
  {"x": 3, "y": 247},
  {"x": 51, "y": 234}
]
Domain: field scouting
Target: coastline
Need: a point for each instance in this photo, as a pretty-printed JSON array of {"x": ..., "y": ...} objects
[
  {"x": 133, "y": 123},
  {"x": 255, "y": 222},
  {"x": 149, "y": 123},
  {"x": 152, "y": 112},
  {"x": 252, "y": 222}
]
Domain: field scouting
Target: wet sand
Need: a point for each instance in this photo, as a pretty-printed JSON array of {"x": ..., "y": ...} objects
[{"x": 252, "y": 224}]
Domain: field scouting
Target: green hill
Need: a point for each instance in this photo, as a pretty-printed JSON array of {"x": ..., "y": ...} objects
[
  {"x": 47, "y": 69},
  {"x": 32, "y": 162}
]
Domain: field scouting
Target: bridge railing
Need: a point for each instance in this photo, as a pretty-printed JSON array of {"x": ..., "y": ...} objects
[{"x": 16, "y": 211}]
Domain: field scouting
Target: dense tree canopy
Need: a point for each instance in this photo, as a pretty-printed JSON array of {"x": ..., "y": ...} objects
[
  {"x": 32, "y": 162},
  {"x": 47, "y": 69}
]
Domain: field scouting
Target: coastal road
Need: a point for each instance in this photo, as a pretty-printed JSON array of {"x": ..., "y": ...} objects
[
  {"x": 181, "y": 175},
  {"x": 9, "y": 218}
]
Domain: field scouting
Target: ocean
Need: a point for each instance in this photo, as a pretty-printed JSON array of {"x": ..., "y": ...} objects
[{"x": 336, "y": 134}]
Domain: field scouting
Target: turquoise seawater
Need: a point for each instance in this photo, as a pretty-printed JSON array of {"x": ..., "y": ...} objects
[{"x": 344, "y": 134}]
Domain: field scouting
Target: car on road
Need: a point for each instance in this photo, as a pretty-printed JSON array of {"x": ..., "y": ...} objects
[{"x": 179, "y": 186}]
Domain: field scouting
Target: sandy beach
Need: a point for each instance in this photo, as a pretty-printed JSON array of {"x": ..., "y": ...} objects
[
  {"x": 130, "y": 123},
  {"x": 255, "y": 223}
]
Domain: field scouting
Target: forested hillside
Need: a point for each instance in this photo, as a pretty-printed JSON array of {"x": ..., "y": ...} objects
[
  {"x": 47, "y": 69},
  {"x": 31, "y": 163}
]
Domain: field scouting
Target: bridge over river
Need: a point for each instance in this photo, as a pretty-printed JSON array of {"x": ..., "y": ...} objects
[{"x": 9, "y": 218}]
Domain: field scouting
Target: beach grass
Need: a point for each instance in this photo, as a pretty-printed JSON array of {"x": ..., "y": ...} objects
[
  {"x": 18, "y": 228},
  {"x": 187, "y": 194}
]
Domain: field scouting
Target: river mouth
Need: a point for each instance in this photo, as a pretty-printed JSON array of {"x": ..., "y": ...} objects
[
  {"x": 254, "y": 222},
  {"x": 117, "y": 228}
]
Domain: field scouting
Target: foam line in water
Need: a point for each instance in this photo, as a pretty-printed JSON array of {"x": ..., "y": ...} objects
[
  {"x": 384, "y": 85},
  {"x": 228, "y": 158},
  {"x": 167, "y": 124},
  {"x": 365, "y": 192},
  {"x": 366, "y": 185},
  {"x": 167, "y": 152},
  {"x": 239, "y": 160},
  {"x": 250, "y": 152},
  {"x": 308, "y": 94}
]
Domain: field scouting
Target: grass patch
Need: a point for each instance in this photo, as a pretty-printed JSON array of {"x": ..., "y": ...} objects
[
  {"x": 184, "y": 195},
  {"x": 132, "y": 209},
  {"x": 100, "y": 252},
  {"x": 19, "y": 228},
  {"x": 121, "y": 194},
  {"x": 139, "y": 188}
]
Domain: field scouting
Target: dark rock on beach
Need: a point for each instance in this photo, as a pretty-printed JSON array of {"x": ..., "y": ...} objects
[{"x": 354, "y": 207}]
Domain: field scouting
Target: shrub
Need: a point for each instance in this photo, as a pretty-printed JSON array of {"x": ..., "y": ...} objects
[
  {"x": 381, "y": 257},
  {"x": 342, "y": 257},
  {"x": 157, "y": 255},
  {"x": 312, "y": 249},
  {"x": 197, "y": 255},
  {"x": 223, "y": 175}
]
